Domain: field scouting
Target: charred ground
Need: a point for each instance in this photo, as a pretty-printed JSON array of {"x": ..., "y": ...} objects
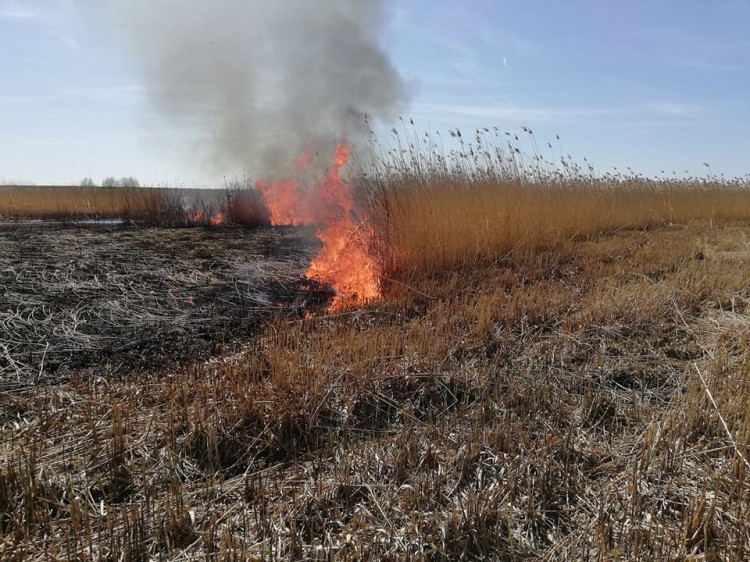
[{"x": 120, "y": 299}]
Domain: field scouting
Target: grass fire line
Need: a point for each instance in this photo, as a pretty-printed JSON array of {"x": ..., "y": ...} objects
[{"x": 345, "y": 261}]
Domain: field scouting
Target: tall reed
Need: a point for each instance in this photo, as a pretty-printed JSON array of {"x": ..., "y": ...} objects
[{"x": 434, "y": 209}]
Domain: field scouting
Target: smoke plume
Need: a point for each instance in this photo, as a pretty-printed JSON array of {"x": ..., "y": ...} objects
[{"x": 263, "y": 80}]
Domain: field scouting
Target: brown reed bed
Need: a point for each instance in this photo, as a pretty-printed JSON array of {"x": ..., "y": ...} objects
[
  {"x": 72, "y": 202},
  {"x": 168, "y": 207},
  {"x": 434, "y": 210}
]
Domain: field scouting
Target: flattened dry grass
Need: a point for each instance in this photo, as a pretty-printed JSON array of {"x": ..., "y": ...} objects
[{"x": 587, "y": 402}]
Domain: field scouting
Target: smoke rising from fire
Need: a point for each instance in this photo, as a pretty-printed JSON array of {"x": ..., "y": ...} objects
[{"x": 263, "y": 80}]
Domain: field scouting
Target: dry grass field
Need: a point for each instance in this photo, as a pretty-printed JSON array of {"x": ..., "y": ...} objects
[
  {"x": 557, "y": 371},
  {"x": 70, "y": 202},
  {"x": 144, "y": 205},
  {"x": 450, "y": 222}
]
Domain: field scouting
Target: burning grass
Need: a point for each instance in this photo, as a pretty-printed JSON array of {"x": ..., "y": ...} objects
[{"x": 346, "y": 261}]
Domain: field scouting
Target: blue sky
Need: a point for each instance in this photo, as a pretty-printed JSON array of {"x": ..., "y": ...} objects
[{"x": 657, "y": 85}]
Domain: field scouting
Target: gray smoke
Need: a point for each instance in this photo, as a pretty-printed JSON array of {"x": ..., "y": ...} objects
[{"x": 264, "y": 79}]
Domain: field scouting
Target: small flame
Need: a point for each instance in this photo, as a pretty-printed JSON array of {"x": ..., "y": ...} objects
[
  {"x": 345, "y": 264},
  {"x": 345, "y": 261},
  {"x": 200, "y": 218},
  {"x": 197, "y": 217}
]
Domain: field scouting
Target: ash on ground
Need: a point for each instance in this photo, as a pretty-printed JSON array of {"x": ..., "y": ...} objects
[{"x": 113, "y": 300}]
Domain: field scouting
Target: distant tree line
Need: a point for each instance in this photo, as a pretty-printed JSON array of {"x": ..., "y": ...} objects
[{"x": 125, "y": 181}]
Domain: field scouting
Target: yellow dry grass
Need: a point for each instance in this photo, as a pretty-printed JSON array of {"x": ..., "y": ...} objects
[
  {"x": 155, "y": 206},
  {"x": 434, "y": 225},
  {"x": 71, "y": 202}
]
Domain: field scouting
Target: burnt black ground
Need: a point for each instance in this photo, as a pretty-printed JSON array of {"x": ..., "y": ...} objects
[{"x": 112, "y": 300}]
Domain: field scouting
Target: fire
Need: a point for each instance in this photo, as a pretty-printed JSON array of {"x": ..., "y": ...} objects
[
  {"x": 345, "y": 261},
  {"x": 287, "y": 205},
  {"x": 200, "y": 218},
  {"x": 345, "y": 264},
  {"x": 196, "y": 217}
]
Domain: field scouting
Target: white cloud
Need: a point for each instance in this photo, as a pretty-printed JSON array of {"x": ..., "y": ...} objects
[
  {"x": 126, "y": 93},
  {"x": 709, "y": 66},
  {"x": 37, "y": 61}
]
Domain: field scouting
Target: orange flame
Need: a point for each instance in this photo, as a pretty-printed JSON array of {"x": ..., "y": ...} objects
[
  {"x": 345, "y": 261},
  {"x": 286, "y": 203},
  {"x": 197, "y": 217},
  {"x": 200, "y": 217}
]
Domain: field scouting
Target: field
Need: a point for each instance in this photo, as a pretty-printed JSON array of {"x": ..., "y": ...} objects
[
  {"x": 145, "y": 205},
  {"x": 554, "y": 372}
]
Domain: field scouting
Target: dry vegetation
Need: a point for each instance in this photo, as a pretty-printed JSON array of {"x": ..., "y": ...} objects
[
  {"x": 434, "y": 210},
  {"x": 570, "y": 406},
  {"x": 558, "y": 372},
  {"x": 447, "y": 223},
  {"x": 145, "y": 206},
  {"x": 68, "y": 202}
]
